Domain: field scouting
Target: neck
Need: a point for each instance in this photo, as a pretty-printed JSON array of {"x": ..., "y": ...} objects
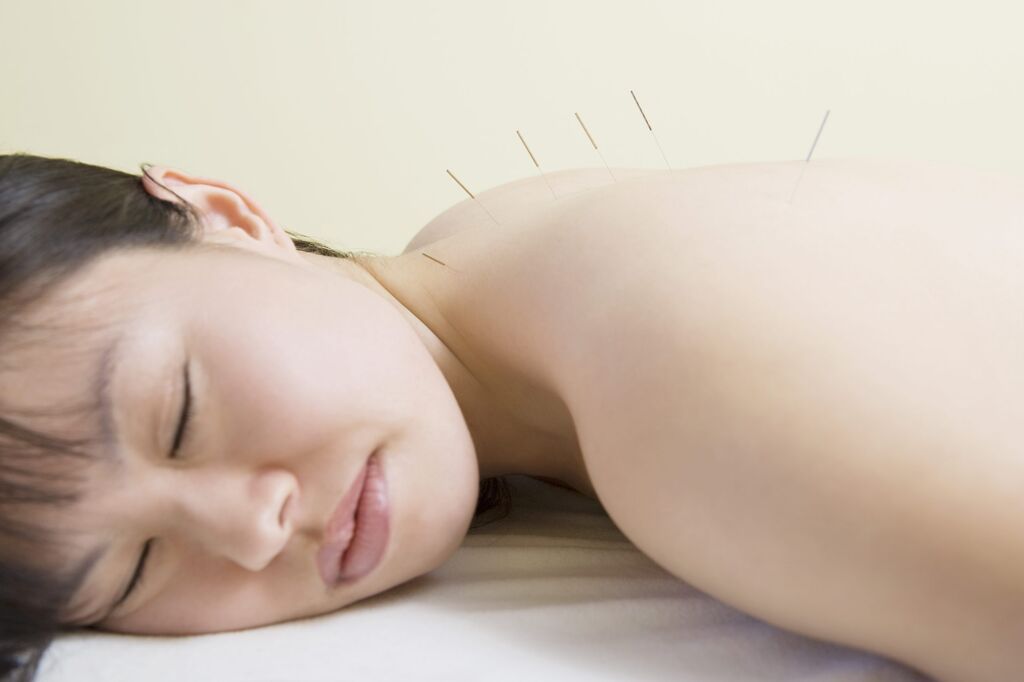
[{"x": 500, "y": 408}]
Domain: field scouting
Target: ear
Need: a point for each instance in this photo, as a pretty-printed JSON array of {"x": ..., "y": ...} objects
[{"x": 229, "y": 215}]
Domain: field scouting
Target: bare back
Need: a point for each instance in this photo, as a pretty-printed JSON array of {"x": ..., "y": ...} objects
[{"x": 810, "y": 411}]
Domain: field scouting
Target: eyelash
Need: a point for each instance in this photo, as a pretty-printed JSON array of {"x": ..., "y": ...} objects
[
  {"x": 179, "y": 440},
  {"x": 180, "y": 436}
]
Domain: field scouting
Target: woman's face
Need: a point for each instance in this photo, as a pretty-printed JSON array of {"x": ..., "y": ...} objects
[{"x": 296, "y": 376}]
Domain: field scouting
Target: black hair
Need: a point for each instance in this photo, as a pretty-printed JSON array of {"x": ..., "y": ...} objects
[{"x": 56, "y": 217}]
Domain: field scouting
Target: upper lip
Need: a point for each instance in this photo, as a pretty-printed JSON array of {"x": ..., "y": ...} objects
[
  {"x": 328, "y": 557},
  {"x": 346, "y": 508}
]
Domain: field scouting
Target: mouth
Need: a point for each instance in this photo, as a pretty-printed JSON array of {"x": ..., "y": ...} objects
[{"x": 357, "y": 532}]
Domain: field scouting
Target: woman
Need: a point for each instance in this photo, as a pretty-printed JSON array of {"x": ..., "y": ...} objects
[{"x": 806, "y": 408}]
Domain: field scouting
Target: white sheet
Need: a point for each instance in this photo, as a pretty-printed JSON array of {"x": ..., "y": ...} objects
[{"x": 552, "y": 592}]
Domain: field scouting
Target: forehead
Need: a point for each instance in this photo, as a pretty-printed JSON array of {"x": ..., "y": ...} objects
[
  {"x": 58, "y": 357},
  {"x": 60, "y": 339},
  {"x": 103, "y": 293},
  {"x": 73, "y": 320},
  {"x": 124, "y": 306},
  {"x": 55, "y": 356},
  {"x": 50, "y": 352}
]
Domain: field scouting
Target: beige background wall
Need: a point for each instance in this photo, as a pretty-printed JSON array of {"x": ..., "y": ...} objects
[{"x": 340, "y": 118}]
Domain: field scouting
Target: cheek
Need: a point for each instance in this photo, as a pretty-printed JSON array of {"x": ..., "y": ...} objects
[
  {"x": 205, "y": 595},
  {"x": 308, "y": 386}
]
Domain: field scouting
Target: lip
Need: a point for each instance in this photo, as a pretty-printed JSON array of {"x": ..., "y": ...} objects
[{"x": 360, "y": 523}]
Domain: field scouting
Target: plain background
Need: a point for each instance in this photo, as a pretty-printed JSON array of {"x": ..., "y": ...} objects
[{"x": 340, "y": 118}]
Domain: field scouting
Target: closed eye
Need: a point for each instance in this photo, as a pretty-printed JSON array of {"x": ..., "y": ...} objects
[
  {"x": 179, "y": 437},
  {"x": 185, "y": 415}
]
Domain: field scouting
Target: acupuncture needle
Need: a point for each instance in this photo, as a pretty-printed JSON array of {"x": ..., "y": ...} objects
[
  {"x": 478, "y": 203},
  {"x": 534, "y": 159},
  {"x": 651, "y": 129},
  {"x": 589, "y": 137},
  {"x": 425, "y": 255},
  {"x": 808, "y": 159}
]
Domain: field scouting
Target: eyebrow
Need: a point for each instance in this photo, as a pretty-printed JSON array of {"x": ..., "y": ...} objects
[
  {"x": 102, "y": 390},
  {"x": 110, "y": 445}
]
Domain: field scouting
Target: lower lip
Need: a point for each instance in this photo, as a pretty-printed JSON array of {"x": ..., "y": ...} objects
[{"x": 372, "y": 528}]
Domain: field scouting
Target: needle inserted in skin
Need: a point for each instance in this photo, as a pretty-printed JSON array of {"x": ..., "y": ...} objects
[
  {"x": 651, "y": 129},
  {"x": 434, "y": 259},
  {"x": 427, "y": 255},
  {"x": 533, "y": 158},
  {"x": 595, "y": 147},
  {"x": 808, "y": 159},
  {"x": 472, "y": 197},
  {"x": 476, "y": 201}
]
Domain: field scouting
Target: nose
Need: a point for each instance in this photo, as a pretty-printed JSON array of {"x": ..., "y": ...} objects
[{"x": 236, "y": 513}]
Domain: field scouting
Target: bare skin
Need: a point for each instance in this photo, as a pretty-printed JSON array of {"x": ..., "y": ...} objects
[
  {"x": 809, "y": 411},
  {"x": 812, "y": 410}
]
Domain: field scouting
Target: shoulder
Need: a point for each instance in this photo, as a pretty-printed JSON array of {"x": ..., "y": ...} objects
[{"x": 517, "y": 201}]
